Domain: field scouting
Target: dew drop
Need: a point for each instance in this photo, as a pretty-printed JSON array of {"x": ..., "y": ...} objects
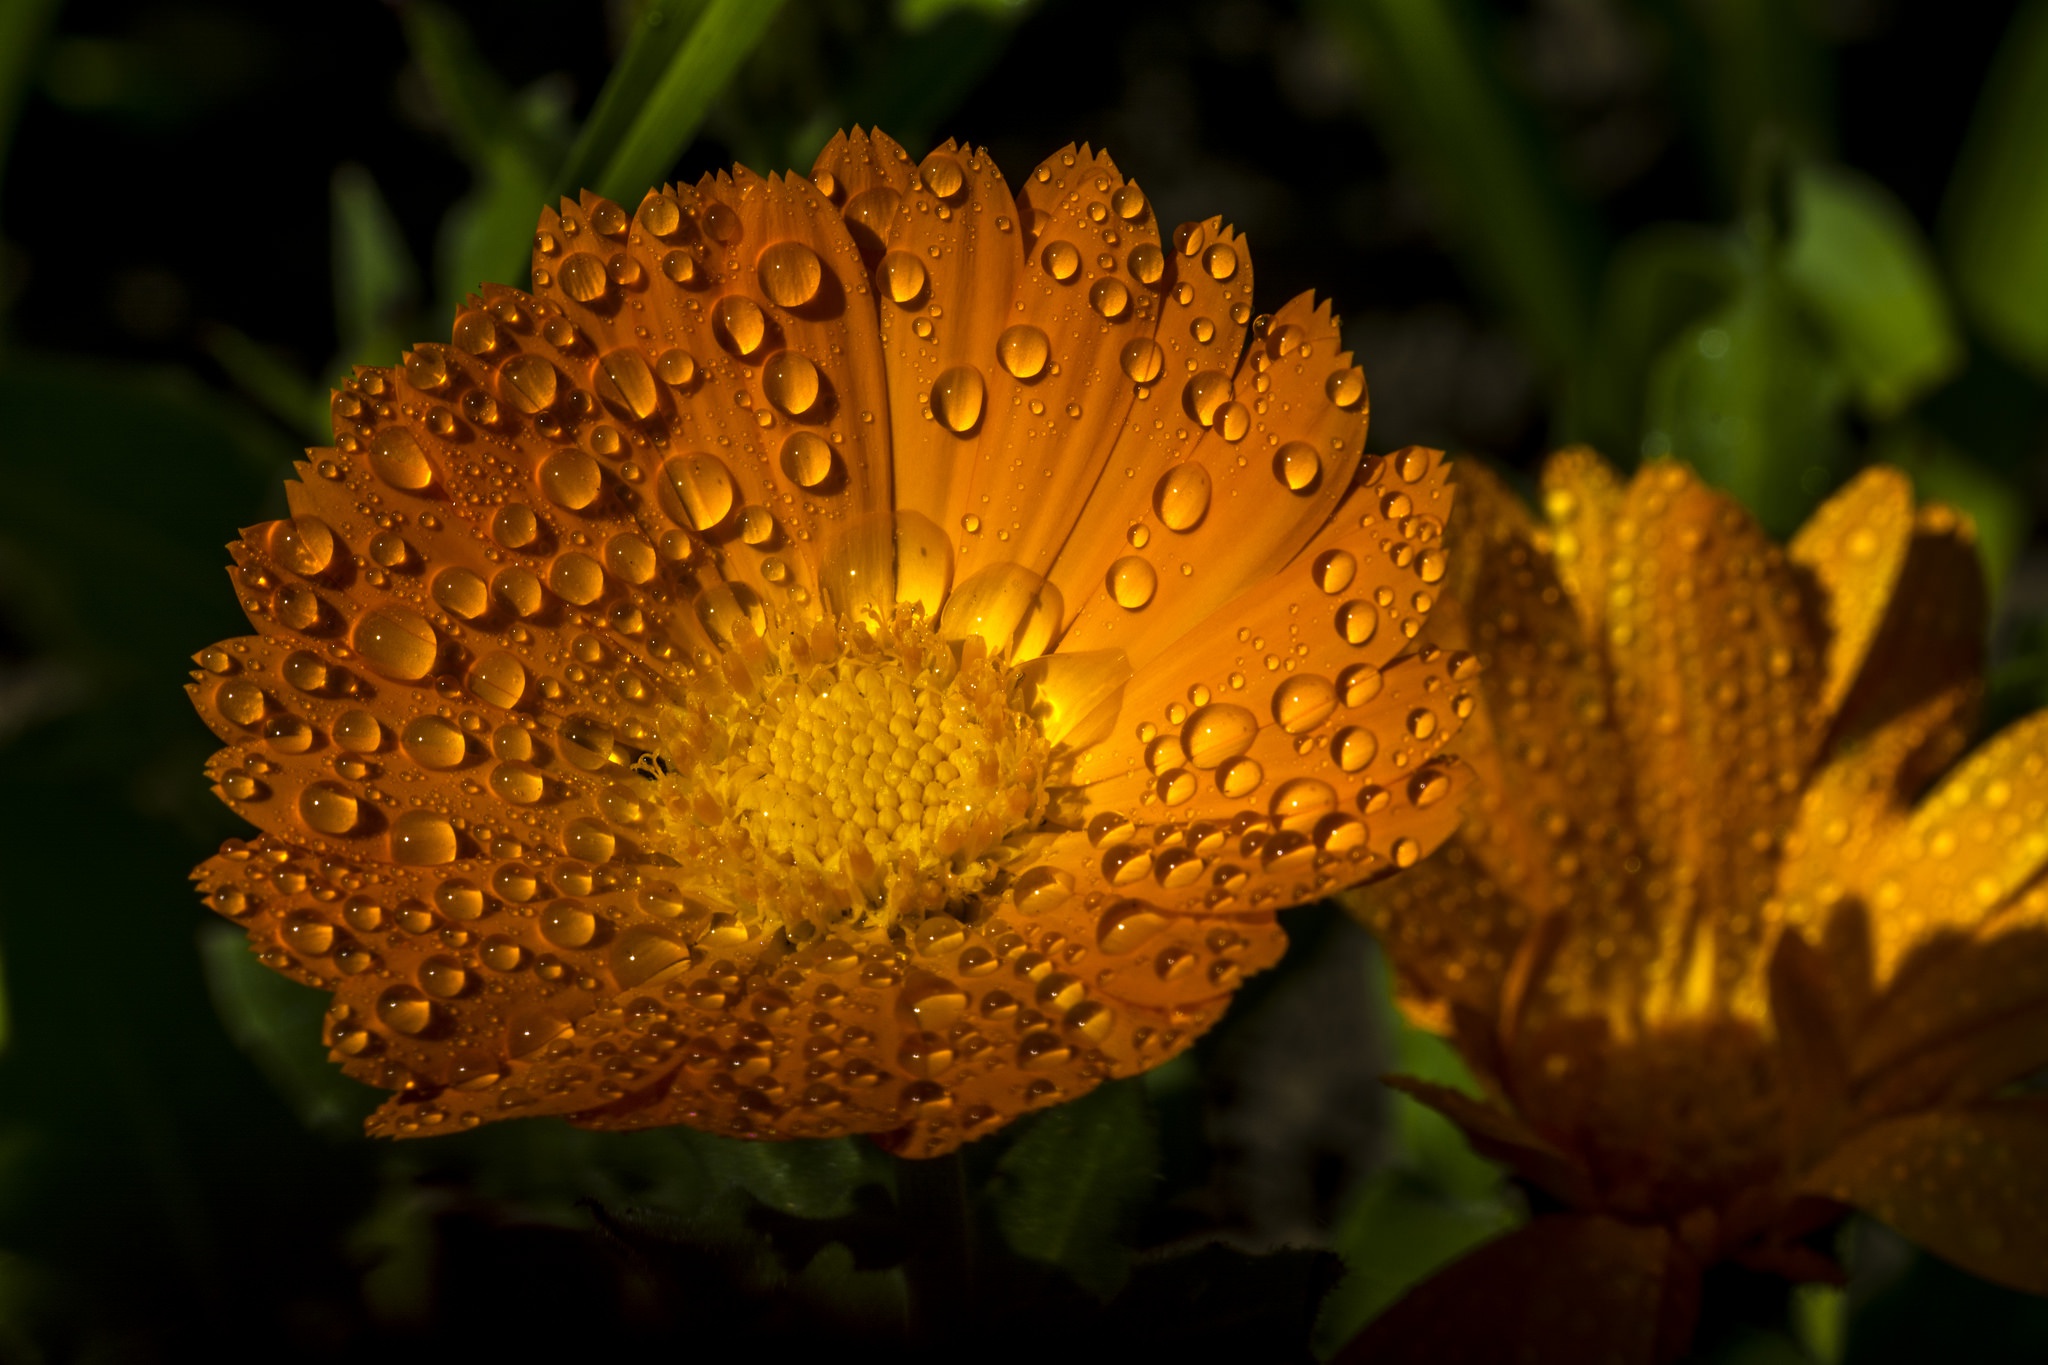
[
  {"x": 499, "y": 679},
  {"x": 399, "y": 461},
  {"x": 328, "y": 808},
  {"x": 1061, "y": 260},
  {"x": 576, "y": 578},
  {"x": 1142, "y": 359},
  {"x": 1334, "y": 570},
  {"x": 791, "y": 382},
  {"x": 528, "y": 383},
  {"x": 517, "y": 782},
  {"x": 583, "y": 278},
  {"x": 305, "y": 545},
  {"x": 433, "y": 742},
  {"x": 1024, "y": 350},
  {"x": 1109, "y": 297},
  {"x": 397, "y": 643},
  {"x": 1303, "y": 703},
  {"x": 626, "y": 385},
  {"x": 421, "y": 838},
  {"x": 442, "y": 976},
  {"x": 402, "y": 1009},
  {"x": 698, "y": 491},
  {"x": 1181, "y": 497},
  {"x": 1147, "y": 263},
  {"x": 807, "y": 459},
  {"x": 358, "y": 732},
  {"x": 943, "y": 177},
  {"x": 1295, "y": 465},
  {"x": 1132, "y": 581},
  {"x": 571, "y": 479},
  {"x": 1239, "y": 777},
  {"x": 645, "y": 954},
  {"x": 566, "y": 924},
  {"x": 462, "y": 593},
  {"x": 1354, "y": 748},
  {"x": 957, "y": 398},
  {"x": 739, "y": 324},
  {"x": 1357, "y": 621},
  {"x": 676, "y": 368},
  {"x": 790, "y": 273},
  {"x": 903, "y": 275},
  {"x": 1220, "y": 261}
]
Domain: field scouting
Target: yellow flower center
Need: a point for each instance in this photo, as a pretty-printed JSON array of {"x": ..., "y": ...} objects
[{"x": 858, "y": 773}]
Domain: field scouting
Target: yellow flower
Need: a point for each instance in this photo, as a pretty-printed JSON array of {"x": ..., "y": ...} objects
[
  {"x": 1724, "y": 948},
  {"x": 865, "y": 653}
]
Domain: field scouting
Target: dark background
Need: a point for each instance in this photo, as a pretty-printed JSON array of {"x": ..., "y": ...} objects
[{"x": 208, "y": 209}]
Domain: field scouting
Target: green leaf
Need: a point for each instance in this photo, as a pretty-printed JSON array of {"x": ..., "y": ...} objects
[
  {"x": 1658, "y": 281},
  {"x": 512, "y": 143},
  {"x": 1995, "y": 220},
  {"x": 917, "y": 14},
  {"x": 806, "y": 1178},
  {"x": 660, "y": 91},
  {"x": 1064, "y": 1188},
  {"x": 1533, "y": 241},
  {"x": 1857, "y": 259},
  {"x": 1396, "y": 1232},
  {"x": 276, "y": 1021},
  {"x": 376, "y": 283},
  {"x": 1750, "y": 398},
  {"x": 270, "y": 380}
]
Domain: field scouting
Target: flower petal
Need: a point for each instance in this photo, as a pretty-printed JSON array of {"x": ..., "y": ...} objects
[
  {"x": 1968, "y": 1185},
  {"x": 1716, "y": 666},
  {"x": 1583, "y": 500},
  {"x": 1855, "y": 545},
  {"x": 1567, "y": 1288},
  {"x": 1286, "y": 430}
]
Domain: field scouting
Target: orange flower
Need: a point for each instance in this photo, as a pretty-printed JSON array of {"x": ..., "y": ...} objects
[
  {"x": 857, "y": 654},
  {"x": 1721, "y": 958}
]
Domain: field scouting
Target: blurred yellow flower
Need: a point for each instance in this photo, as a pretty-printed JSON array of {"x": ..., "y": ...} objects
[
  {"x": 865, "y": 653},
  {"x": 1725, "y": 948}
]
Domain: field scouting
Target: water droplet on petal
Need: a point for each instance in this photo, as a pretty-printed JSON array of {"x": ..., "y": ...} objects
[
  {"x": 397, "y": 643},
  {"x": 1061, "y": 260},
  {"x": 433, "y": 742},
  {"x": 1024, "y": 349},
  {"x": 571, "y": 479},
  {"x": 1357, "y": 621},
  {"x": 528, "y": 383},
  {"x": 645, "y": 954},
  {"x": 1216, "y": 733},
  {"x": 1220, "y": 261},
  {"x": 790, "y": 274},
  {"x": 957, "y": 398},
  {"x": 1132, "y": 581},
  {"x": 1302, "y": 703},
  {"x": 1142, "y": 359},
  {"x": 1354, "y": 748},
  {"x": 328, "y": 808},
  {"x": 903, "y": 275},
  {"x": 399, "y": 461},
  {"x": 807, "y": 459},
  {"x": 791, "y": 382},
  {"x": 583, "y": 278},
  {"x": 305, "y": 545},
  {"x": 421, "y": 838},
  {"x": 1181, "y": 497},
  {"x": 402, "y": 1009},
  {"x": 697, "y": 491},
  {"x": 624, "y": 382},
  {"x": 943, "y": 177},
  {"x": 739, "y": 324},
  {"x": 1110, "y": 297},
  {"x": 1334, "y": 570},
  {"x": 1295, "y": 465}
]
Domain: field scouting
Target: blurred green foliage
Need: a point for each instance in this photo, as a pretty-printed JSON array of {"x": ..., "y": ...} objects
[{"x": 1781, "y": 288}]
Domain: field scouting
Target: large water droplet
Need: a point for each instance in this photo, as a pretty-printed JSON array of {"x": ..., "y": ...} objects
[
  {"x": 1357, "y": 621},
  {"x": 1181, "y": 497},
  {"x": 571, "y": 479},
  {"x": 696, "y": 491},
  {"x": 739, "y": 324},
  {"x": 328, "y": 808},
  {"x": 399, "y": 461},
  {"x": 1132, "y": 581},
  {"x": 442, "y": 976},
  {"x": 1110, "y": 298},
  {"x": 791, "y": 382},
  {"x": 433, "y": 742},
  {"x": 1295, "y": 465},
  {"x": 519, "y": 783},
  {"x": 790, "y": 274},
  {"x": 1061, "y": 260},
  {"x": 1216, "y": 733},
  {"x": 528, "y": 383},
  {"x": 1220, "y": 261},
  {"x": 869, "y": 215},
  {"x": 358, "y": 732},
  {"x": 1239, "y": 777},
  {"x": 645, "y": 954},
  {"x": 576, "y": 578},
  {"x": 566, "y": 924},
  {"x": 1024, "y": 349},
  {"x": 903, "y": 275},
  {"x": 943, "y": 177},
  {"x": 1143, "y": 360},
  {"x": 623, "y": 380},
  {"x": 1127, "y": 926},
  {"x": 583, "y": 278},
  {"x": 421, "y": 838},
  {"x": 397, "y": 643},
  {"x": 1334, "y": 570},
  {"x": 305, "y": 545},
  {"x": 957, "y": 398},
  {"x": 1205, "y": 393},
  {"x": 499, "y": 679},
  {"x": 402, "y": 1009},
  {"x": 1354, "y": 748},
  {"x": 1301, "y": 704},
  {"x": 807, "y": 459}
]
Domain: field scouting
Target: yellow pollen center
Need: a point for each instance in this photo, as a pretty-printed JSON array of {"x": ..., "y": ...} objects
[{"x": 874, "y": 785}]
